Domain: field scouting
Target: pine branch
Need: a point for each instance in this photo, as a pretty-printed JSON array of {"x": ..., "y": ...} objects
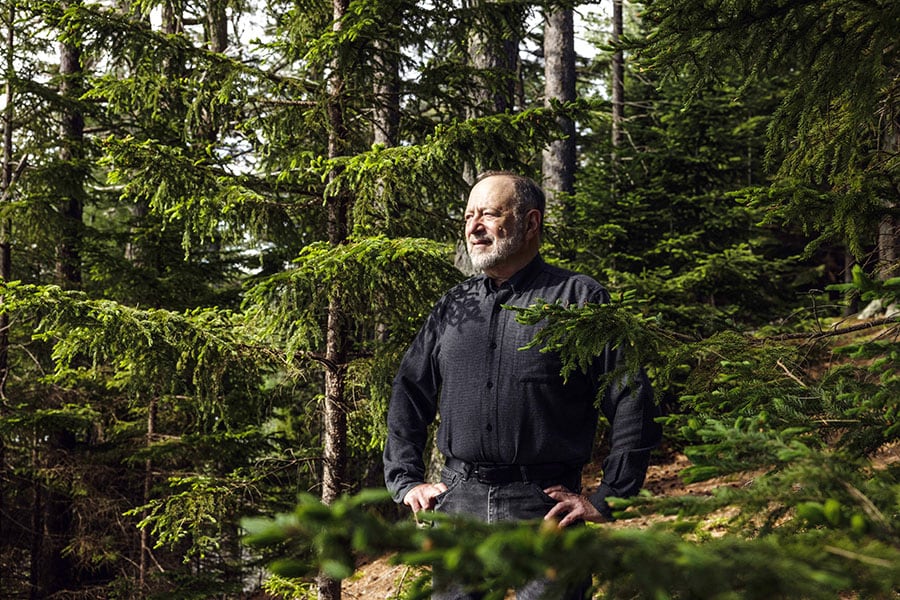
[{"x": 835, "y": 332}]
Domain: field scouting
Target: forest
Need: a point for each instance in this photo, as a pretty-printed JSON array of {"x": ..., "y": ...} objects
[{"x": 223, "y": 221}]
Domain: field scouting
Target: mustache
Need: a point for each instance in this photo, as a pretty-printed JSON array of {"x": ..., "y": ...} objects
[{"x": 481, "y": 237}]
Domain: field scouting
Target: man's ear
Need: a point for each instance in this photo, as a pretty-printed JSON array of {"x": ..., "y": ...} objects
[{"x": 534, "y": 221}]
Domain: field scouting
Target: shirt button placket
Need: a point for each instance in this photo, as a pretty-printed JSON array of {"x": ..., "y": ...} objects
[{"x": 496, "y": 358}]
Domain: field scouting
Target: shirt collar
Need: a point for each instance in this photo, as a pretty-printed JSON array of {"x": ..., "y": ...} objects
[{"x": 520, "y": 279}]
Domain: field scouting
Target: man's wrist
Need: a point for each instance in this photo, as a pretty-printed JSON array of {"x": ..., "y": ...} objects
[{"x": 598, "y": 499}]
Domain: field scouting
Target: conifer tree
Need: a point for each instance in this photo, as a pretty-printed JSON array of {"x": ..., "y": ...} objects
[
  {"x": 559, "y": 159},
  {"x": 831, "y": 134}
]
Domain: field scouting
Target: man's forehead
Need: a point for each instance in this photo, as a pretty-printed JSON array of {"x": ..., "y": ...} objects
[{"x": 494, "y": 191}]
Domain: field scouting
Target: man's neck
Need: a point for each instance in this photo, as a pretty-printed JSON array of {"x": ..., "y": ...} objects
[{"x": 500, "y": 274}]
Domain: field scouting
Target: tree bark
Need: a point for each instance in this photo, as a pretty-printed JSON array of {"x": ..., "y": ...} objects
[
  {"x": 558, "y": 163},
  {"x": 217, "y": 25},
  {"x": 888, "y": 228},
  {"x": 148, "y": 486},
  {"x": 37, "y": 526},
  {"x": 494, "y": 56},
  {"x": 172, "y": 19},
  {"x": 51, "y": 570},
  {"x": 618, "y": 81},
  {"x": 334, "y": 464},
  {"x": 6, "y": 262},
  {"x": 386, "y": 122},
  {"x": 6, "y": 224},
  {"x": 71, "y": 153}
]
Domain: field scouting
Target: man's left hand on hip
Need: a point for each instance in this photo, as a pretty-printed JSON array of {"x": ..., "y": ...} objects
[{"x": 571, "y": 507}]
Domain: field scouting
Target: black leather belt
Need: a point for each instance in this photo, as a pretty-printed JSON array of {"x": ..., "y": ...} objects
[{"x": 500, "y": 474}]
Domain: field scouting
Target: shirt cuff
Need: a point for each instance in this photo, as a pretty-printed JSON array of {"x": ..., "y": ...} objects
[{"x": 598, "y": 499}]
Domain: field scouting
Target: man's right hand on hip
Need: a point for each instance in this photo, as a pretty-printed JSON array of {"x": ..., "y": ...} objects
[{"x": 422, "y": 496}]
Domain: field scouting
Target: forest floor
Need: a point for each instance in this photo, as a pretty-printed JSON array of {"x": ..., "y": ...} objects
[{"x": 379, "y": 579}]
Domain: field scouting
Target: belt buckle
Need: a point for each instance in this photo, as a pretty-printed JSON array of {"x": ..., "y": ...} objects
[
  {"x": 480, "y": 476},
  {"x": 498, "y": 475}
]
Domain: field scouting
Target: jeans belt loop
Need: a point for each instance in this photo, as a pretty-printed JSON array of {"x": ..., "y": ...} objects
[
  {"x": 466, "y": 468},
  {"x": 524, "y": 471}
]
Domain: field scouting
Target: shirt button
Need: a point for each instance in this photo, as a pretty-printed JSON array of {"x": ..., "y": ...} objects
[
  {"x": 493, "y": 345},
  {"x": 490, "y": 384},
  {"x": 489, "y": 427}
]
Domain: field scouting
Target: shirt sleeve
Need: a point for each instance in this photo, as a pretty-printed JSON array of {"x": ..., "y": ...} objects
[
  {"x": 629, "y": 407},
  {"x": 412, "y": 408}
]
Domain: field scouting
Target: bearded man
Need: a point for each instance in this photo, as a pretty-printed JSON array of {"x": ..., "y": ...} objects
[{"x": 513, "y": 434}]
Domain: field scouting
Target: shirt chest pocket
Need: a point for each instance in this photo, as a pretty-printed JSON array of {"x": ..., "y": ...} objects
[{"x": 531, "y": 365}]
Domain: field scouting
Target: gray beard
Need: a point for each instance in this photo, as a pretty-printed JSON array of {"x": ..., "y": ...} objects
[{"x": 500, "y": 251}]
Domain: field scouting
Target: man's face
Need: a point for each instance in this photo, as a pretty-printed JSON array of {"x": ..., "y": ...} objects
[{"x": 493, "y": 235}]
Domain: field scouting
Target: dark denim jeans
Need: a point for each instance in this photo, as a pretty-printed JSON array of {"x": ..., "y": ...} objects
[{"x": 493, "y": 504}]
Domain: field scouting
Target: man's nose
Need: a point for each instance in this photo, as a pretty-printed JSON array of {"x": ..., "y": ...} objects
[{"x": 474, "y": 224}]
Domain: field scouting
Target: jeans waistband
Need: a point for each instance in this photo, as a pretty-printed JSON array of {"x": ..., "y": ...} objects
[{"x": 493, "y": 474}]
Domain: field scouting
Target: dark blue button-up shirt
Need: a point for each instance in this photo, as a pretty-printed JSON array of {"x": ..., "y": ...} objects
[{"x": 499, "y": 404}]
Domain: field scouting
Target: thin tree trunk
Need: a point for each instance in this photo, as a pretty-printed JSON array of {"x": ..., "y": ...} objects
[
  {"x": 334, "y": 464},
  {"x": 172, "y": 20},
  {"x": 853, "y": 300},
  {"x": 888, "y": 228},
  {"x": 6, "y": 264},
  {"x": 217, "y": 25},
  {"x": 618, "y": 81},
  {"x": 37, "y": 526},
  {"x": 52, "y": 513},
  {"x": 888, "y": 256},
  {"x": 495, "y": 56},
  {"x": 558, "y": 163},
  {"x": 68, "y": 266},
  {"x": 386, "y": 128},
  {"x": 6, "y": 224},
  {"x": 148, "y": 486}
]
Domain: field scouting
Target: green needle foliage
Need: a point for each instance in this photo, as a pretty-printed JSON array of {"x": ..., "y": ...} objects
[{"x": 625, "y": 562}]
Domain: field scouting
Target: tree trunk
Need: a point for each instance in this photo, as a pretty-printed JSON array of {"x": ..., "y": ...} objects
[
  {"x": 386, "y": 122},
  {"x": 148, "y": 486},
  {"x": 494, "y": 56},
  {"x": 888, "y": 234},
  {"x": 334, "y": 464},
  {"x": 6, "y": 264},
  {"x": 51, "y": 570},
  {"x": 558, "y": 163},
  {"x": 618, "y": 81},
  {"x": 172, "y": 20},
  {"x": 37, "y": 526},
  {"x": 68, "y": 260},
  {"x": 888, "y": 228},
  {"x": 217, "y": 25},
  {"x": 6, "y": 224}
]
